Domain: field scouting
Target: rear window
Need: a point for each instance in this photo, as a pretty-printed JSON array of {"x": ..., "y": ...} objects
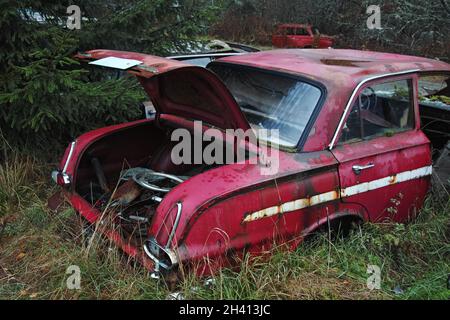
[{"x": 272, "y": 101}]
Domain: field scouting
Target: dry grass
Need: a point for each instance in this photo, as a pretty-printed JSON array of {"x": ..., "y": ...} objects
[
  {"x": 37, "y": 246},
  {"x": 17, "y": 175},
  {"x": 312, "y": 286}
]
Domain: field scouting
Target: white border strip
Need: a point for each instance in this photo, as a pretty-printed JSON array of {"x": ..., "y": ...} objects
[{"x": 342, "y": 193}]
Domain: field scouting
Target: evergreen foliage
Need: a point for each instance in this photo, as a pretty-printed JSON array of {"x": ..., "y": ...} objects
[{"x": 46, "y": 96}]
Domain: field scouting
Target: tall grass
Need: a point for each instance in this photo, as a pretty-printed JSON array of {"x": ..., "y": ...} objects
[
  {"x": 414, "y": 260},
  {"x": 37, "y": 246},
  {"x": 16, "y": 179}
]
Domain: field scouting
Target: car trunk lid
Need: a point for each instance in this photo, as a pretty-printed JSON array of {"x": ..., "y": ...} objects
[{"x": 175, "y": 87}]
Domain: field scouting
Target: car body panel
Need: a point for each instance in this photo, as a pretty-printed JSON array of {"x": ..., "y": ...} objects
[
  {"x": 222, "y": 182},
  {"x": 394, "y": 188}
]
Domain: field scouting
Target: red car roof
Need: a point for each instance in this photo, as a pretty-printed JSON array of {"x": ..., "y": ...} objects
[{"x": 340, "y": 67}]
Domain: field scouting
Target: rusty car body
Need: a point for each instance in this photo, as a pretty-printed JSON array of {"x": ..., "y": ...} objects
[
  {"x": 293, "y": 35},
  {"x": 353, "y": 151}
]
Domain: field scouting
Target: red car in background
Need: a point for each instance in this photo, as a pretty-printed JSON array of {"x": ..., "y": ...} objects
[
  {"x": 299, "y": 36},
  {"x": 351, "y": 149}
]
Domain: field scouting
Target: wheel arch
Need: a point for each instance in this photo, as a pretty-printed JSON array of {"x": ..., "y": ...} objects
[{"x": 352, "y": 212}]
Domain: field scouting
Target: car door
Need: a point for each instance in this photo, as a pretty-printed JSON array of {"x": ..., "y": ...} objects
[
  {"x": 279, "y": 38},
  {"x": 384, "y": 158},
  {"x": 302, "y": 38}
]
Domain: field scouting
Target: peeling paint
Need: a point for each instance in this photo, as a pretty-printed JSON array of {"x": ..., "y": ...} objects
[
  {"x": 333, "y": 195},
  {"x": 324, "y": 197},
  {"x": 292, "y": 206},
  {"x": 384, "y": 182}
]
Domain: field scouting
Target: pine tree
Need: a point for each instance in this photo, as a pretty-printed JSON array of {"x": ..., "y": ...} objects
[{"x": 46, "y": 96}]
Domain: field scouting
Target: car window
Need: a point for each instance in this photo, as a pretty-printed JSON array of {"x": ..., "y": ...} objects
[
  {"x": 380, "y": 110},
  {"x": 302, "y": 32},
  {"x": 434, "y": 90},
  {"x": 291, "y": 31},
  {"x": 272, "y": 101}
]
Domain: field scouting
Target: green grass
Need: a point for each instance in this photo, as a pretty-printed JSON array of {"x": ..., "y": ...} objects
[{"x": 37, "y": 246}]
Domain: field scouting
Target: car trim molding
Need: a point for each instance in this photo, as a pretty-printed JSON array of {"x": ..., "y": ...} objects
[
  {"x": 355, "y": 91},
  {"x": 386, "y": 181},
  {"x": 69, "y": 156},
  {"x": 341, "y": 193},
  {"x": 205, "y": 55}
]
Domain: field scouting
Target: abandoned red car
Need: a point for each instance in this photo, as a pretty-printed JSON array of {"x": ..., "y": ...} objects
[
  {"x": 350, "y": 149},
  {"x": 299, "y": 36}
]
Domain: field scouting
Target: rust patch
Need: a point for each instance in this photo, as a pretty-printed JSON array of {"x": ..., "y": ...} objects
[
  {"x": 393, "y": 179},
  {"x": 341, "y": 62}
]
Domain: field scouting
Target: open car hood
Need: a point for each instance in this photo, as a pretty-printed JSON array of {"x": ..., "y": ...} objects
[{"x": 175, "y": 87}]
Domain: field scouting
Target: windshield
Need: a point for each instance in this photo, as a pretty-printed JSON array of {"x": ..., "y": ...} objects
[{"x": 271, "y": 101}]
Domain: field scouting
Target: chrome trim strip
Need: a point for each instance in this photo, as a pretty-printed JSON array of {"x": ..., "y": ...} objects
[
  {"x": 166, "y": 248},
  {"x": 158, "y": 263},
  {"x": 72, "y": 147},
  {"x": 355, "y": 91},
  {"x": 173, "y": 260},
  {"x": 175, "y": 225},
  {"x": 65, "y": 176},
  {"x": 206, "y": 55}
]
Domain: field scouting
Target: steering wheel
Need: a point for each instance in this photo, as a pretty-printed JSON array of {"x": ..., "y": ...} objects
[
  {"x": 368, "y": 99},
  {"x": 146, "y": 178}
]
